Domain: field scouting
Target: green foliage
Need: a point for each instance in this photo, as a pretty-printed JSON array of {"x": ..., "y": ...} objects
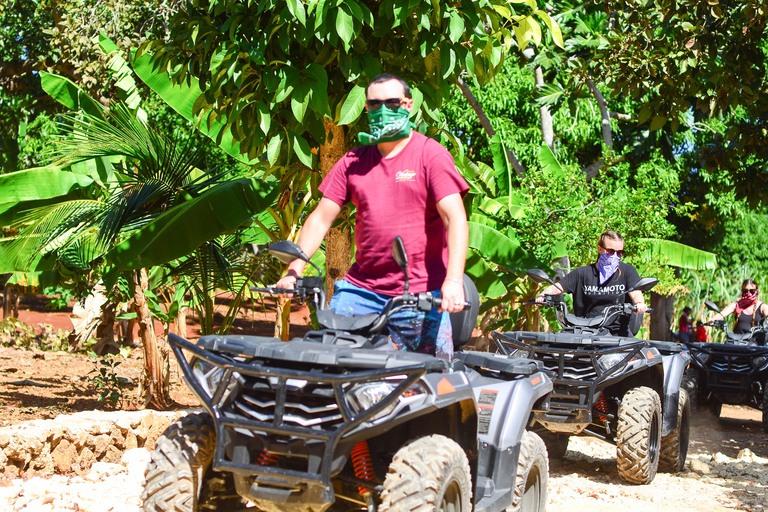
[
  {"x": 58, "y": 297},
  {"x": 106, "y": 381},
  {"x": 271, "y": 71}
]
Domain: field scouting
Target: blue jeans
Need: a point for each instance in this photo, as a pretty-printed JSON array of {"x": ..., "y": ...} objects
[{"x": 411, "y": 330}]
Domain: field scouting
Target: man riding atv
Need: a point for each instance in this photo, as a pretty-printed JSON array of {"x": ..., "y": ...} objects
[
  {"x": 598, "y": 286},
  {"x": 403, "y": 184}
]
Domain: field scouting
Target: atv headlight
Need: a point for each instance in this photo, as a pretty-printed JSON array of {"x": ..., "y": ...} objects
[
  {"x": 759, "y": 361},
  {"x": 608, "y": 361},
  {"x": 365, "y": 396},
  {"x": 208, "y": 375}
]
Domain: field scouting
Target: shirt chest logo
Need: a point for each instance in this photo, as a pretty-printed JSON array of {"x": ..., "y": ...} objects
[{"x": 405, "y": 175}]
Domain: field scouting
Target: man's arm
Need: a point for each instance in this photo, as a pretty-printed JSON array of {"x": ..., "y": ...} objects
[
  {"x": 451, "y": 210},
  {"x": 311, "y": 236}
]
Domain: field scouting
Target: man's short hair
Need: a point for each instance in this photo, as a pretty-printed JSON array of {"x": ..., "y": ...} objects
[
  {"x": 611, "y": 235},
  {"x": 386, "y": 77},
  {"x": 686, "y": 309}
]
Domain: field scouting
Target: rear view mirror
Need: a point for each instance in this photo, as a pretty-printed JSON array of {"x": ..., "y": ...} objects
[
  {"x": 712, "y": 306},
  {"x": 539, "y": 276},
  {"x": 401, "y": 258},
  {"x": 286, "y": 251},
  {"x": 644, "y": 284}
]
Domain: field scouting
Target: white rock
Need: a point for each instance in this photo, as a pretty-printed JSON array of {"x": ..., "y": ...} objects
[{"x": 101, "y": 470}]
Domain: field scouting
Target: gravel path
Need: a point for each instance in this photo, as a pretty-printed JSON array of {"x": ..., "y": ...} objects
[{"x": 727, "y": 469}]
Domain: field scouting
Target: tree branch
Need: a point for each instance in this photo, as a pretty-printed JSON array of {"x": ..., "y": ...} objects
[
  {"x": 604, "y": 114},
  {"x": 545, "y": 118},
  {"x": 621, "y": 117},
  {"x": 486, "y": 124}
]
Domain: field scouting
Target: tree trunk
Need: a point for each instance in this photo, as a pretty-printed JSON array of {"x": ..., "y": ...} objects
[
  {"x": 661, "y": 316},
  {"x": 547, "y": 128},
  {"x": 181, "y": 322},
  {"x": 155, "y": 382},
  {"x": 283, "y": 320},
  {"x": 605, "y": 115},
  {"x": 338, "y": 242},
  {"x": 486, "y": 124}
]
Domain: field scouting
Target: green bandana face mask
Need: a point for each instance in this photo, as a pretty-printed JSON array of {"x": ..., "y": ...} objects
[{"x": 386, "y": 126}]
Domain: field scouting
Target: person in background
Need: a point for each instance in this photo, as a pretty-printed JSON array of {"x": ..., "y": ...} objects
[
  {"x": 749, "y": 311},
  {"x": 685, "y": 327},
  {"x": 701, "y": 332}
]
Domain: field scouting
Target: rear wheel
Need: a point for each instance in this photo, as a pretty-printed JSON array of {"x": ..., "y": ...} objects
[
  {"x": 431, "y": 474},
  {"x": 638, "y": 435},
  {"x": 179, "y": 477},
  {"x": 557, "y": 444},
  {"x": 674, "y": 446},
  {"x": 532, "y": 475}
]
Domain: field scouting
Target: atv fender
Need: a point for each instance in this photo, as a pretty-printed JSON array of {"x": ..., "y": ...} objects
[
  {"x": 504, "y": 411},
  {"x": 675, "y": 359}
]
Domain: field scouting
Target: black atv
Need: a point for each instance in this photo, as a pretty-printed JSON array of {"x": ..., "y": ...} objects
[
  {"x": 734, "y": 372},
  {"x": 620, "y": 389},
  {"x": 341, "y": 419}
]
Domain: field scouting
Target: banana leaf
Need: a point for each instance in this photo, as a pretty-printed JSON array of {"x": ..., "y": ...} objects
[
  {"x": 676, "y": 254},
  {"x": 184, "y": 228},
  {"x": 488, "y": 285},
  {"x": 500, "y": 249},
  {"x": 10, "y": 264},
  {"x": 66, "y": 92},
  {"x": 182, "y": 99},
  {"x": 24, "y": 190}
]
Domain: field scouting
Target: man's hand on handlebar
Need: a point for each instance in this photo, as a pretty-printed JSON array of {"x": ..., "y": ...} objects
[
  {"x": 452, "y": 293},
  {"x": 288, "y": 282},
  {"x": 641, "y": 307}
]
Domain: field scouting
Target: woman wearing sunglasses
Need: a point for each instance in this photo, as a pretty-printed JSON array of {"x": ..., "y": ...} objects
[
  {"x": 597, "y": 286},
  {"x": 749, "y": 311}
]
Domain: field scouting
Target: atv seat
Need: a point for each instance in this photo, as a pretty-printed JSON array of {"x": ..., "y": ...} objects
[
  {"x": 578, "y": 321},
  {"x": 330, "y": 320},
  {"x": 464, "y": 321},
  {"x": 740, "y": 339}
]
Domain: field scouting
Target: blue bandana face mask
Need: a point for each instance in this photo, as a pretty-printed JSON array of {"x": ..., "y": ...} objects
[{"x": 607, "y": 264}]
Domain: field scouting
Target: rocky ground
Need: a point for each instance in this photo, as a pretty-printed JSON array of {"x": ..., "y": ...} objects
[{"x": 727, "y": 469}]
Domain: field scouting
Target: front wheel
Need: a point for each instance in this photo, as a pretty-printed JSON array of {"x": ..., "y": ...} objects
[
  {"x": 179, "y": 477},
  {"x": 430, "y": 474},
  {"x": 674, "y": 446},
  {"x": 638, "y": 435},
  {"x": 690, "y": 383},
  {"x": 532, "y": 475}
]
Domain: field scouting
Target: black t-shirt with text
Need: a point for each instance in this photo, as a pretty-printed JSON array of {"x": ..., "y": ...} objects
[{"x": 590, "y": 297}]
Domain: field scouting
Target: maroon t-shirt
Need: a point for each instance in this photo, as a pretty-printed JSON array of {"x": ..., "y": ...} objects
[{"x": 397, "y": 196}]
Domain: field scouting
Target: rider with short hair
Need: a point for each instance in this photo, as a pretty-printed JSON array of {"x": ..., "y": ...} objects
[{"x": 403, "y": 184}]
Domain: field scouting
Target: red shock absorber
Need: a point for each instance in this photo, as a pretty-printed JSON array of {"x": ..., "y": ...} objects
[
  {"x": 602, "y": 406},
  {"x": 361, "y": 460},
  {"x": 266, "y": 458}
]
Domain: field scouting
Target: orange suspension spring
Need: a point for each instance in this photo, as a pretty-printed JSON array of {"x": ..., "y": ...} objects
[
  {"x": 602, "y": 406},
  {"x": 267, "y": 458},
  {"x": 361, "y": 459}
]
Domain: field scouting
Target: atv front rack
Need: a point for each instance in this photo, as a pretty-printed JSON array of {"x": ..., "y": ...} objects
[
  {"x": 328, "y": 376},
  {"x": 731, "y": 369},
  {"x": 571, "y": 361}
]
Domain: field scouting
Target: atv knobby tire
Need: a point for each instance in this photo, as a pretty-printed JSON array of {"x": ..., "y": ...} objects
[
  {"x": 557, "y": 444},
  {"x": 532, "y": 474},
  {"x": 674, "y": 446},
  {"x": 638, "y": 435},
  {"x": 430, "y": 474},
  {"x": 179, "y": 478},
  {"x": 690, "y": 383}
]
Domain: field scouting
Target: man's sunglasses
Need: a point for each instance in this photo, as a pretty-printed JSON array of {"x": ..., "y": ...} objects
[
  {"x": 620, "y": 252},
  {"x": 747, "y": 291},
  {"x": 391, "y": 103}
]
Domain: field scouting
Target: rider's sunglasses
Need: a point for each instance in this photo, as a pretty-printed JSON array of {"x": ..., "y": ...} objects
[
  {"x": 620, "y": 252},
  {"x": 747, "y": 291},
  {"x": 391, "y": 103}
]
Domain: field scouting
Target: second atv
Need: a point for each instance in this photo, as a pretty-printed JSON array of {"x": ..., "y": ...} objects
[{"x": 623, "y": 390}]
